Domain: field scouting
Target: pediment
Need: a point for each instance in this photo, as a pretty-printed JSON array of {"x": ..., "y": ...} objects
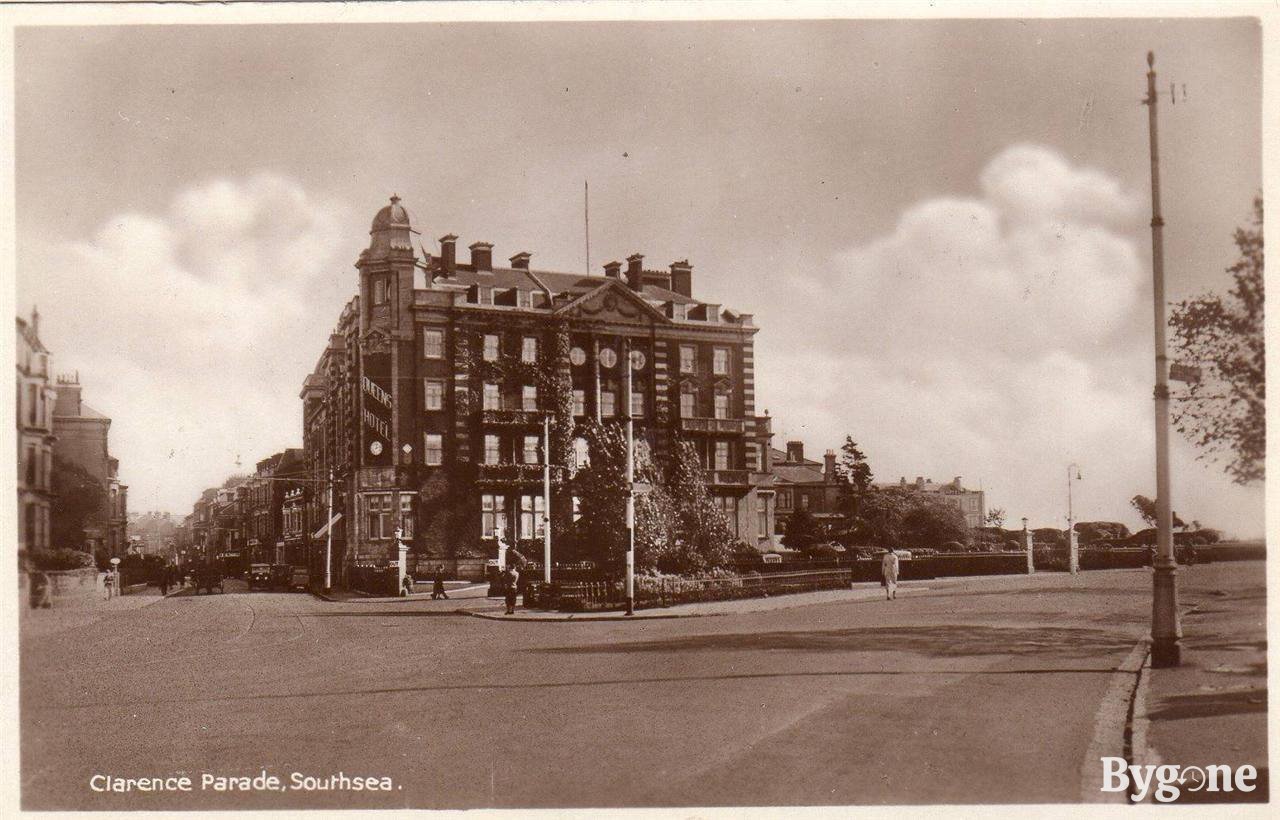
[
  {"x": 376, "y": 340},
  {"x": 612, "y": 301}
]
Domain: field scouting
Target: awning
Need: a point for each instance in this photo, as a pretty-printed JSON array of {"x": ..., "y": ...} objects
[{"x": 320, "y": 533}]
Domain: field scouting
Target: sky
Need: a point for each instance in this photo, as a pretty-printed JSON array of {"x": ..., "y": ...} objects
[{"x": 941, "y": 227}]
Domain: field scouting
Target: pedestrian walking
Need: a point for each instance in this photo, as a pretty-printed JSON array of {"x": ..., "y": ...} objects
[
  {"x": 437, "y": 585},
  {"x": 889, "y": 574},
  {"x": 511, "y": 586},
  {"x": 41, "y": 589},
  {"x": 165, "y": 574}
]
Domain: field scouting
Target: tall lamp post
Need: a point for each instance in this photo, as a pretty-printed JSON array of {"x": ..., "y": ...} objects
[
  {"x": 546, "y": 498},
  {"x": 1165, "y": 629},
  {"x": 631, "y": 490},
  {"x": 1073, "y": 472}
]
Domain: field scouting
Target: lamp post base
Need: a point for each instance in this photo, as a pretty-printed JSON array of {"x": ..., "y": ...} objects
[
  {"x": 631, "y": 605},
  {"x": 1166, "y": 631}
]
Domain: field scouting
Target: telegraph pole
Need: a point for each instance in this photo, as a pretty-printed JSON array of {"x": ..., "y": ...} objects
[
  {"x": 546, "y": 498},
  {"x": 1165, "y": 629},
  {"x": 631, "y": 481},
  {"x": 1073, "y": 543},
  {"x": 328, "y": 540}
]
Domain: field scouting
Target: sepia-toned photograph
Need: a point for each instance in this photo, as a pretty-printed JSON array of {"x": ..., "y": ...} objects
[{"x": 636, "y": 406}]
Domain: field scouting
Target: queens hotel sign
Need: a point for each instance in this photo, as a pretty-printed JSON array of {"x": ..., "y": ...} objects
[{"x": 376, "y": 408}]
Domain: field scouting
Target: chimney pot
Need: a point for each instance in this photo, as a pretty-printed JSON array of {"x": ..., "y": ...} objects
[
  {"x": 449, "y": 252},
  {"x": 482, "y": 256},
  {"x": 635, "y": 271},
  {"x": 682, "y": 278}
]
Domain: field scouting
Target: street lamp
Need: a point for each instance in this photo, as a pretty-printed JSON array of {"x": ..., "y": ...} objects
[
  {"x": 1072, "y": 542},
  {"x": 1165, "y": 629}
]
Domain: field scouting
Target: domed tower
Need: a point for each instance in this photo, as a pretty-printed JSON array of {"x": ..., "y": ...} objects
[
  {"x": 386, "y": 337},
  {"x": 386, "y": 270}
]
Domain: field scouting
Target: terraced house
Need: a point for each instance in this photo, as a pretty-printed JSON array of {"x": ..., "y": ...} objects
[{"x": 434, "y": 399}]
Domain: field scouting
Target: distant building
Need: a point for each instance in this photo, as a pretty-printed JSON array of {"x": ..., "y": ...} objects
[
  {"x": 804, "y": 484},
  {"x": 265, "y": 492},
  {"x": 970, "y": 502},
  {"x": 154, "y": 533},
  {"x": 81, "y": 435},
  {"x": 35, "y": 439}
]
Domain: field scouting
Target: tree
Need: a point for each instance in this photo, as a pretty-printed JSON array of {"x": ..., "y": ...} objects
[
  {"x": 77, "y": 498},
  {"x": 1146, "y": 508},
  {"x": 932, "y": 522},
  {"x": 995, "y": 517},
  {"x": 900, "y": 518},
  {"x": 853, "y": 468},
  {"x": 704, "y": 539},
  {"x": 803, "y": 531},
  {"x": 1225, "y": 412},
  {"x": 678, "y": 527}
]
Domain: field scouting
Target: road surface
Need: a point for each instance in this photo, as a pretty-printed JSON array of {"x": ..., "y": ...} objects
[{"x": 972, "y": 691}]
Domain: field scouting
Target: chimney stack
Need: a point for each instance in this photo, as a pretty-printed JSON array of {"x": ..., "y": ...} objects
[
  {"x": 635, "y": 271},
  {"x": 919, "y": 482},
  {"x": 682, "y": 278},
  {"x": 521, "y": 260},
  {"x": 449, "y": 253},
  {"x": 613, "y": 270},
  {"x": 482, "y": 256},
  {"x": 957, "y": 484},
  {"x": 795, "y": 451},
  {"x": 829, "y": 466}
]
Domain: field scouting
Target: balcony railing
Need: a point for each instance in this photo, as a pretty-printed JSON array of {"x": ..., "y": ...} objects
[
  {"x": 700, "y": 425},
  {"x": 514, "y": 472},
  {"x": 727, "y": 478},
  {"x": 511, "y": 417}
]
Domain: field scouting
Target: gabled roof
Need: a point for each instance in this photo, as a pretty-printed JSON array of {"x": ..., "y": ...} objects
[
  {"x": 798, "y": 474},
  {"x": 618, "y": 287}
]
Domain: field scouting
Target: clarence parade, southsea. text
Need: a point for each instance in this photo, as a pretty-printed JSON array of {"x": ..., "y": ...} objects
[{"x": 261, "y": 782}]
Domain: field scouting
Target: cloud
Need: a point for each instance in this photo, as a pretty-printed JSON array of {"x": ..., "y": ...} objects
[
  {"x": 176, "y": 320},
  {"x": 999, "y": 337}
]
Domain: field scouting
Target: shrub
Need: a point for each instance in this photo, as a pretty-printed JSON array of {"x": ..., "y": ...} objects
[
  {"x": 56, "y": 560},
  {"x": 953, "y": 546},
  {"x": 822, "y": 551}
]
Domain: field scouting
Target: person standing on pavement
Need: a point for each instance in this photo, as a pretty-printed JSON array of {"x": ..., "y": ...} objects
[
  {"x": 889, "y": 574},
  {"x": 165, "y": 573},
  {"x": 437, "y": 585},
  {"x": 511, "y": 586}
]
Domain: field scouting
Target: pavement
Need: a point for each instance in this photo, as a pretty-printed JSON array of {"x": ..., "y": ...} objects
[
  {"x": 1212, "y": 709},
  {"x": 78, "y": 611},
  {"x": 859, "y": 592},
  {"x": 972, "y": 691}
]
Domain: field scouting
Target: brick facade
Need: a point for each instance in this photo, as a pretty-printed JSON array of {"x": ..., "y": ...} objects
[{"x": 428, "y": 402}]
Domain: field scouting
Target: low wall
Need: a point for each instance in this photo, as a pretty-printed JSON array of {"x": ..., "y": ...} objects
[
  {"x": 455, "y": 569},
  {"x": 1234, "y": 551},
  {"x": 67, "y": 587}
]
